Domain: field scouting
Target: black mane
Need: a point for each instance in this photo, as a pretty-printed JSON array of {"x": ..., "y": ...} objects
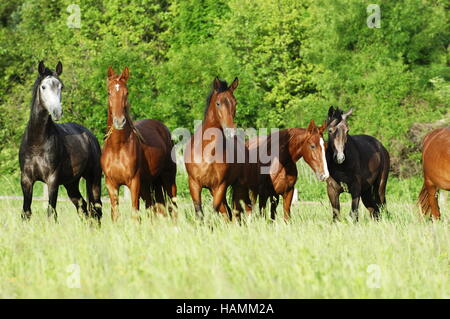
[
  {"x": 334, "y": 114},
  {"x": 223, "y": 87}
]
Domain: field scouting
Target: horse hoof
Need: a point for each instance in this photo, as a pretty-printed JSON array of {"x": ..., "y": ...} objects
[{"x": 26, "y": 215}]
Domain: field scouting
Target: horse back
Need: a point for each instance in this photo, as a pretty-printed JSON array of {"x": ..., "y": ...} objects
[
  {"x": 81, "y": 148},
  {"x": 156, "y": 144},
  {"x": 370, "y": 148}
]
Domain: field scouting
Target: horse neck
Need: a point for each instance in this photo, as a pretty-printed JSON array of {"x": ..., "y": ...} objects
[
  {"x": 122, "y": 136},
  {"x": 210, "y": 120},
  {"x": 296, "y": 138},
  {"x": 348, "y": 145},
  {"x": 40, "y": 122}
]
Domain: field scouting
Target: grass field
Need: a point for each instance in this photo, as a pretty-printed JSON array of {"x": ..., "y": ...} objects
[{"x": 402, "y": 256}]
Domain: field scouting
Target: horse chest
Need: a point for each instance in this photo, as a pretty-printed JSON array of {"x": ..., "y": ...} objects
[
  {"x": 119, "y": 165},
  {"x": 40, "y": 162}
]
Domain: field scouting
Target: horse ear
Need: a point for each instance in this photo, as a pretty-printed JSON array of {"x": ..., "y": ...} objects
[
  {"x": 59, "y": 68},
  {"x": 216, "y": 83},
  {"x": 125, "y": 74},
  {"x": 345, "y": 115},
  {"x": 311, "y": 127},
  {"x": 234, "y": 85},
  {"x": 330, "y": 111},
  {"x": 110, "y": 72},
  {"x": 41, "y": 68},
  {"x": 323, "y": 127}
]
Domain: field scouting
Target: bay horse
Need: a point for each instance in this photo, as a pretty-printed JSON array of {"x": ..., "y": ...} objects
[
  {"x": 136, "y": 154},
  {"x": 358, "y": 164},
  {"x": 58, "y": 153},
  {"x": 436, "y": 169},
  {"x": 293, "y": 144},
  {"x": 205, "y": 155}
]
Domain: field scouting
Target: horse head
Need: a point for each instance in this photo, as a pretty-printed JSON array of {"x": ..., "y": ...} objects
[
  {"x": 314, "y": 150},
  {"x": 118, "y": 97},
  {"x": 48, "y": 89},
  {"x": 221, "y": 106},
  {"x": 338, "y": 133}
]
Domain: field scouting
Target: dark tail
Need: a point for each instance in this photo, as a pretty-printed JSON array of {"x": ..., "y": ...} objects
[{"x": 423, "y": 202}]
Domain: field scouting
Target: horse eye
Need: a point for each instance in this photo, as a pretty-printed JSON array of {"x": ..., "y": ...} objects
[
  {"x": 312, "y": 146},
  {"x": 43, "y": 87},
  {"x": 217, "y": 104}
]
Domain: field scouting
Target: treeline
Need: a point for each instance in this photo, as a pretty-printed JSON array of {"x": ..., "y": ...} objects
[{"x": 293, "y": 58}]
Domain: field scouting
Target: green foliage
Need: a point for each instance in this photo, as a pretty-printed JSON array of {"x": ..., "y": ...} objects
[{"x": 293, "y": 58}]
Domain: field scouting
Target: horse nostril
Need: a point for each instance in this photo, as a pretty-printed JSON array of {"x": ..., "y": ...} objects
[{"x": 119, "y": 123}]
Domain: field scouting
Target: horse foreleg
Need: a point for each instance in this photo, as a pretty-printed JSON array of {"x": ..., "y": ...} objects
[
  {"x": 355, "y": 205},
  {"x": 219, "y": 201},
  {"x": 52, "y": 198},
  {"x": 113, "y": 191},
  {"x": 135, "y": 187},
  {"x": 196, "y": 193},
  {"x": 27, "y": 190},
  {"x": 274, "y": 201},
  {"x": 287, "y": 201},
  {"x": 333, "y": 191}
]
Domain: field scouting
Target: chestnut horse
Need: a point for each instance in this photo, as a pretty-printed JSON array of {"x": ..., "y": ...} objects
[
  {"x": 135, "y": 154},
  {"x": 206, "y": 152},
  {"x": 436, "y": 169},
  {"x": 282, "y": 173}
]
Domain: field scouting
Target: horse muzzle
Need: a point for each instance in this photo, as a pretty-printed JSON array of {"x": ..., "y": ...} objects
[
  {"x": 322, "y": 176},
  {"x": 339, "y": 158},
  {"x": 56, "y": 114},
  {"x": 229, "y": 132},
  {"x": 119, "y": 124}
]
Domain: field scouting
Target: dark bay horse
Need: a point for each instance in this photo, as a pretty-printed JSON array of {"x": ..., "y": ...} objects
[
  {"x": 358, "y": 164},
  {"x": 281, "y": 176},
  {"x": 436, "y": 169},
  {"x": 206, "y": 152},
  {"x": 136, "y": 154},
  {"x": 58, "y": 153}
]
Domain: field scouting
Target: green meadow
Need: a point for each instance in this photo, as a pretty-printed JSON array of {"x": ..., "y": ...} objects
[{"x": 402, "y": 256}]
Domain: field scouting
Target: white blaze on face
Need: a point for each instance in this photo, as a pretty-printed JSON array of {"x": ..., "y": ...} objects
[
  {"x": 324, "y": 160},
  {"x": 50, "y": 95},
  {"x": 117, "y": 87}
]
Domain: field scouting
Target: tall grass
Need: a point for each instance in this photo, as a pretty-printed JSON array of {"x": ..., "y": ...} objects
[{"x": 310, "y": 257}]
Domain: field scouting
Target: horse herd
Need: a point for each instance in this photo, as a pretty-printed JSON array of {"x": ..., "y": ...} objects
[{"x": 139, "y": 155}]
